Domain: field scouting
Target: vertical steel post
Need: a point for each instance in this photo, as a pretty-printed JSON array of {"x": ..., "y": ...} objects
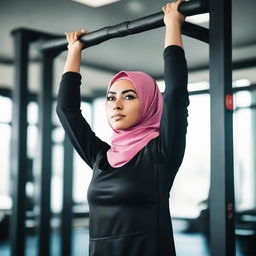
[
  {"x": 222, "y": 211},
  {"x": 19, "y": 142},
  {"x": 67, "y": 205},
  {"x": 253, "y": 134},
  {"x": 45, "y": 153}
]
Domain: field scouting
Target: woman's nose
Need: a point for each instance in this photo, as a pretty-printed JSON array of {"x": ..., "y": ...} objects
[{"x": 118, "y": 104}]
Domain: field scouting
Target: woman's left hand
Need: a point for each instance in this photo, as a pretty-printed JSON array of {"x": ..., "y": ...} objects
[{"x": 171, "y": 13}]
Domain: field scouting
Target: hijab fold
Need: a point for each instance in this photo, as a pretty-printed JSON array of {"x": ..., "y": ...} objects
[{"x": 125, "y": 144}]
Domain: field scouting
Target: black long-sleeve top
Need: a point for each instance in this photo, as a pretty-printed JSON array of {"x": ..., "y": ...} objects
[{"x": 129, "y": 205}]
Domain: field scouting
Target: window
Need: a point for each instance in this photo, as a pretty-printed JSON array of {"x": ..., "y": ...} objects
[
  {"x": 191, "y": 185},
  {"x": 82, "y": 172},
  {"x": 100, "y": 124},
  {"x": 244, "y": 151},
  {"x": 5, "y": 142}
]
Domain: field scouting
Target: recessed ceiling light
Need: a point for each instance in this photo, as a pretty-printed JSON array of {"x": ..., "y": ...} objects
[
  {"x": 199, "y": 18},
  {"x": 96, "y": 3},
  {"x": 135, "y": 6}
]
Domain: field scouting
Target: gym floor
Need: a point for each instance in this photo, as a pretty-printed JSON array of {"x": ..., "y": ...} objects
[{"x": 187, "y": 244}]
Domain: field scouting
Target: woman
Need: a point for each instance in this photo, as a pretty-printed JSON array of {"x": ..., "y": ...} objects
[{"x": 129, "y": 192}]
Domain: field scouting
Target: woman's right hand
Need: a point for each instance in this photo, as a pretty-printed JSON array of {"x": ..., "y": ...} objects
[
  {"x": 73, "y": 42},
  {"x": 171, "y": 13}
]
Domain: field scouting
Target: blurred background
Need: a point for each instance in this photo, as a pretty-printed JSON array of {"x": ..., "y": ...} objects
[{"x": 144, "y": 51}]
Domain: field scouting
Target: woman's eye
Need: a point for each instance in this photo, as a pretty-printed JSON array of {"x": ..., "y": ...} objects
[
  {"x": 110, "y": 98},
  {"x": 129, "y": 97}
]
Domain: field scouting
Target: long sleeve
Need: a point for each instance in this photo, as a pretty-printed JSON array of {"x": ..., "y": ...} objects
[
  {"x": 173, "y": 127},
  {"x": 86, "y": 143}
]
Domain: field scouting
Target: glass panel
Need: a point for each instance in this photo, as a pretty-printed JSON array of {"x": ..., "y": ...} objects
[
  {"x": 82, "y": 172},
  {"x": 5, "y": 109},
  {"x": 241, "y": 83},
  {"x": 196, "y": 86},
  {"x": 87, "y": 111},
  {"x": 32, "y": 113},
  {"x": 81, "y": 179},
  {"x": 194, "y": 173},
  {"x": 244, "y": 152},
  {"x": 58, "y": 135},
  {"x": 161, "y": 85},
  {"x": 100, "y": 123},
  {"x": 5, "y": 137},
  {"x": 242, "y": 99},
  {"x": 85, "y": 108},
  {"x": 57, "y": 178},
  {"x": 32, "y": 141}
]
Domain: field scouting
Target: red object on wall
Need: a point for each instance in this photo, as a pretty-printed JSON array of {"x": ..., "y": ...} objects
[{"x": 229, "y": 102}]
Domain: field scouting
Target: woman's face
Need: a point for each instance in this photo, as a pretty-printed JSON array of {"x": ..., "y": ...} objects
[{"x": 122, "y": 105}]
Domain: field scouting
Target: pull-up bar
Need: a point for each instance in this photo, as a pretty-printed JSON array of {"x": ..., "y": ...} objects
[{"x": 137, "y": 26}]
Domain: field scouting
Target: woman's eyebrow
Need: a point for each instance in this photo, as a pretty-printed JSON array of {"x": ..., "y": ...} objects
[{"x": 123, "y": 92}]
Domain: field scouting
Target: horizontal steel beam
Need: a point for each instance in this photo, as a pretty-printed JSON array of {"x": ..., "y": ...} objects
[{"x": 137, "y": 26}]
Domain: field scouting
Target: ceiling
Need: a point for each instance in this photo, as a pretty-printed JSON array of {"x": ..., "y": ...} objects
[{"x": 136, "y": 52}]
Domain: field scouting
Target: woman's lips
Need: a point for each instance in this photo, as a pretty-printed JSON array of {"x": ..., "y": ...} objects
[{"x": 118, "y": 116}]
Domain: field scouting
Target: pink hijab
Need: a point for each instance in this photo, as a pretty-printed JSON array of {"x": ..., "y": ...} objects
[{"x": 126, "y": 143}]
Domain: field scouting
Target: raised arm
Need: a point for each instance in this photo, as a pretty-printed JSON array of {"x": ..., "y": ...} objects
[
  {"x": 73, "y": 61},
  {"x": 68, "y": 105},
  {"x": 174, "y": 119},
  {"x": 173, "y": 21}
]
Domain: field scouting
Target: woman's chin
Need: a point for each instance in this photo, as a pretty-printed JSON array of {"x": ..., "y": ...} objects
[{"x": 118, "y": 126}]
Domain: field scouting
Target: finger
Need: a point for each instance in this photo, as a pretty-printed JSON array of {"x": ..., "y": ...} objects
[
  {"x": 76, "y": 35},
  {"x": 68, "y": 36},
  {"x": 79, "y": 33},
  {"x": 84, "y": 31},
  {"x": 72, "y": 37},
  {"x": 167, "y": 7}
]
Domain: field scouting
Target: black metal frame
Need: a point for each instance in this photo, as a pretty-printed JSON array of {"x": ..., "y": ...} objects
[
  {"x": 222, "y": 209},
  {"x": 67, "y": 199},
  {"x": 19, "y": 143},
  {"x": 5, "y": 92},
  {"x": 45, "y": 153}
]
